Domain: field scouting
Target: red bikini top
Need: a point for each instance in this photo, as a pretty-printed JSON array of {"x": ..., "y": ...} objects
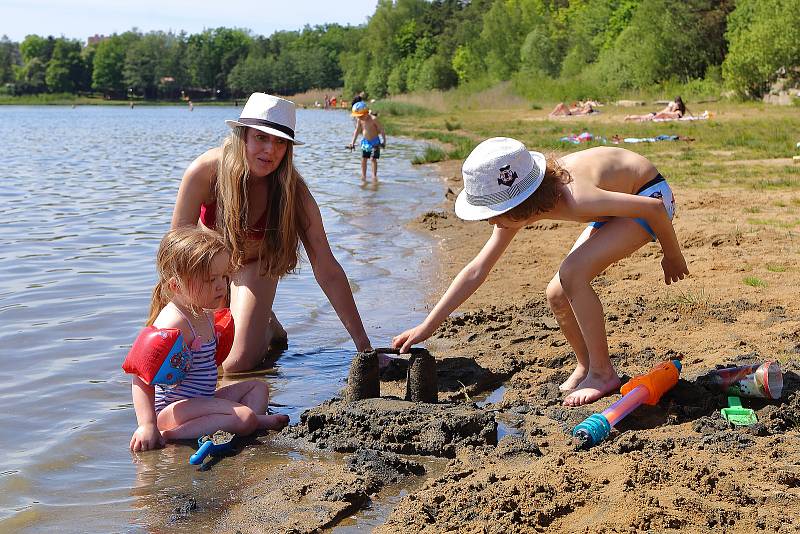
[{"x": 208, "y": 216}]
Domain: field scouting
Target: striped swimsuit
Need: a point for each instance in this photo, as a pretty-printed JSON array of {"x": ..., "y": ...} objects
[{"x": 200, "y": 381}]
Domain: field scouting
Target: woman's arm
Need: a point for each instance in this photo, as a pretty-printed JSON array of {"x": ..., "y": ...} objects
[
  {"x": 195, "y": 189},
  {"x": 330, "y": 276},
  {"x": 147, "y": 435},
  {"x": 461, "y": 288},
  {"x": 600, "y": 203}
]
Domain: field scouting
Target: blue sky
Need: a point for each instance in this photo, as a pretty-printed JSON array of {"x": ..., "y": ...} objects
[{"x": 78, "y": 19}]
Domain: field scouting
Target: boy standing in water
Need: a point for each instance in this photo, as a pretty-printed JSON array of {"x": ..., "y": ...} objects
[
  {"x": 622, "y": 198},
  {"x": 372, "y": 132}
]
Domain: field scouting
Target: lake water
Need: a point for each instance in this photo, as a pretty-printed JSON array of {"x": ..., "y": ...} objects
[{"x": 87, "y": 194}]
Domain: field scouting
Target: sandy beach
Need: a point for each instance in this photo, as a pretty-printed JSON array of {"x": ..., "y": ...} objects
[
  {"x": 677, "y": 466},
  {"x": 673, "y": 467}
]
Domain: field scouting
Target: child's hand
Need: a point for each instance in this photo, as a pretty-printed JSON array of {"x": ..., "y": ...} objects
[
  {"x": 674, "y": 268},
  {"x": 411, "y": 337},
  {"x": 147, "y": 437}
]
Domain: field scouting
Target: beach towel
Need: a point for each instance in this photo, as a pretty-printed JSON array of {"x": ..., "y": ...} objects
[
  {"x": 583, "y": 137},
  {"x": 651, "y": 139},
  {"x": 702, "y": 117}
]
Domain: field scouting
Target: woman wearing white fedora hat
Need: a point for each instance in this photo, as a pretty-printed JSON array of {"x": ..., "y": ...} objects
[
  {"x": 622, "y": 196},
  {"x": 249, "y": 191}
]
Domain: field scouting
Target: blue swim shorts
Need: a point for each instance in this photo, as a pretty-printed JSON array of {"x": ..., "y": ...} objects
[{"x": 655, "y": 188}]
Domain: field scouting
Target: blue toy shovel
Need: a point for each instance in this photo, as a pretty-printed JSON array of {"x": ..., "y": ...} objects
[{"x": 216, "y": 444}]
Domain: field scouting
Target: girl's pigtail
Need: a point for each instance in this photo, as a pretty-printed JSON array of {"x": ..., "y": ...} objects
[{"x": 157, "y": 303}]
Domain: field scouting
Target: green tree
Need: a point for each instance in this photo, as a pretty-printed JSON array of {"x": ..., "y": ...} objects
[
  {"x": 66, "y": 69},
  {"x": 30, "y": 77},
  {"x": 9, "y": 58},
  {"x": 436, "y": 72},
  {"x": 87, "y": 55},
  {"x": 213, "y": 54},
  {"x": 664, "y": 41},
  {"x": 254, "y": 74},
  {"x": 109, "y": 62},
  {"x": 35, "y": 47},
  {"x": 36, "y": 52},
  {"x": 764, "y": 36},
  {"x": 141, "y": 70},
  {"x": 172, "y": 74},
  {"x": 355, "y": 67},
  {"x": 539, "y": 52},
  {"x": 398, "y": 79},
  {"x": 586, "y": 26},
  {"x": 468, "y": 64}
]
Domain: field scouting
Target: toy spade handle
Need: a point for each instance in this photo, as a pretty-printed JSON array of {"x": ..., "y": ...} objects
[{"x": 198, "y": 457}]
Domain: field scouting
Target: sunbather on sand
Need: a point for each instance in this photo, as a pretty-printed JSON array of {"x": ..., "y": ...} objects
[
  {"x": 581, "y": 108},
  {"x": 674, "y": 110}
]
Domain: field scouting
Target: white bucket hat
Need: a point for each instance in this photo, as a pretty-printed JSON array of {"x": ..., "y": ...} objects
[
  {"x": 499, "y": 174},
  {"x": 268, "y": 114}
]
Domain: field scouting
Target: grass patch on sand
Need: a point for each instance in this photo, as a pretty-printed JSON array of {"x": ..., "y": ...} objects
[
  {"x": 432, "y": 154},
  {"x": 399, "y": 109},
  {"x": 776, "y": 268},
  {"x": 450, "y": 126},
  {"x": 773, "y": 222},
  {"x": 754, "y": 281},
  {"x": 686, "y": 301},
  {"x": 790, "y": 181}
]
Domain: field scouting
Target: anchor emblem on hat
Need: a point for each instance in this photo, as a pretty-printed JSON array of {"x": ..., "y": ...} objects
[{"x": 507, "y": 176}]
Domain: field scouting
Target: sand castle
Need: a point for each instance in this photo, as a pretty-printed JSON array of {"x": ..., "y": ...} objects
[{"x": 363, "y": 381}]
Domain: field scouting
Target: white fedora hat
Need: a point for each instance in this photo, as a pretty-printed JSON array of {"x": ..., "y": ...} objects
[
  {"x": 269, "y": 114},
  {"x": 499, "y": 174}
]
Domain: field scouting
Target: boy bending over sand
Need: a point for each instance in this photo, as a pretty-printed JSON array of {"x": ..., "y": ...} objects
[{"x": 620, "y": 194}]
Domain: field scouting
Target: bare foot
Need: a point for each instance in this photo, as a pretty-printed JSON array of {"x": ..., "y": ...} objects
[
  {"x": 592, "y": 388},
  {"x": 577, "y": 376},
  {"x": 274, "y": 422}
]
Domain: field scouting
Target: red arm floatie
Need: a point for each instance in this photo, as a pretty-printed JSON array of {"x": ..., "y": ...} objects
[
  {"x": 158, "y": 356},
  {"x": 223, "y": 327}
]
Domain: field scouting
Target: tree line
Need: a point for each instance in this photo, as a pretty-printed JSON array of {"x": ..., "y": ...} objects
[{"x": 581, "y": 48}]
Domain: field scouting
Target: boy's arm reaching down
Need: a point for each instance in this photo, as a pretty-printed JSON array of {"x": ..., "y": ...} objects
[
  {"x": 355, "y": 134},
  {"x": 461, "y": 288}
]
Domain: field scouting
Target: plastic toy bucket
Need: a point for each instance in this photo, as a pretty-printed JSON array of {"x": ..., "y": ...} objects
[{"x": 763, "y": 380}]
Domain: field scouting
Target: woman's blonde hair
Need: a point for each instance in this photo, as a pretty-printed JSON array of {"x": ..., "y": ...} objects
[
  {"x": 278, "y": 253},
  {"x": 184, "y": 257},
  {"x": 546, "y": 195}
]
